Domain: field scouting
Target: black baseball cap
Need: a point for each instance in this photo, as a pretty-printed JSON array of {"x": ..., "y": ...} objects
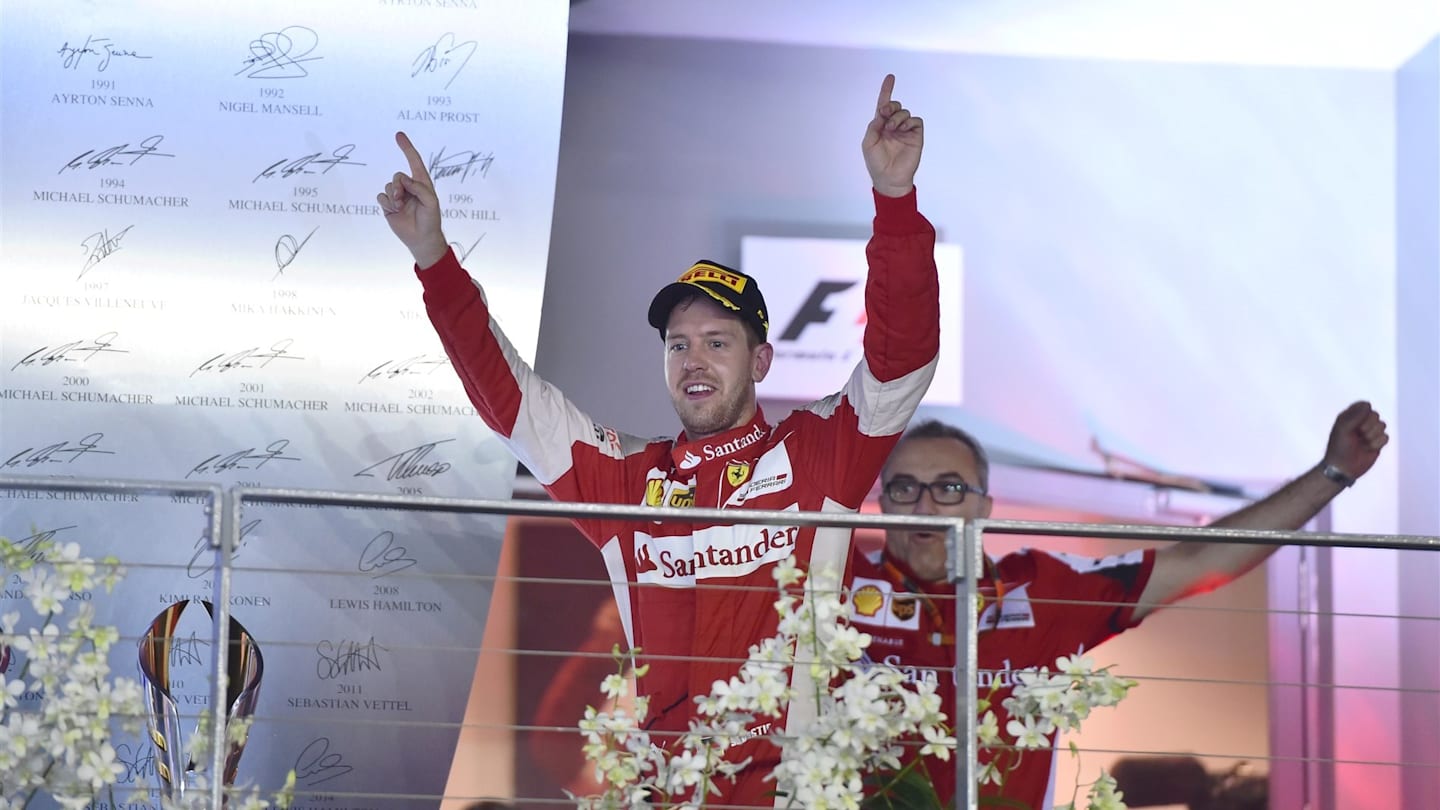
[{"x": 734, "y": 290}]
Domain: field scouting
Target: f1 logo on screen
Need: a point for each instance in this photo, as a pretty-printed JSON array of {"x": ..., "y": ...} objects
[
  {"x": 816, "y": 290},
  {"x": 813, "y": 310}
]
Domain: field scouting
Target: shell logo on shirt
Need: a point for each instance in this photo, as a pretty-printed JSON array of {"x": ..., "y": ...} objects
[
  {"x": 868, "y": 600},
  {"x": 675, "y": 494},
  {"x": 892, "y": 610}
]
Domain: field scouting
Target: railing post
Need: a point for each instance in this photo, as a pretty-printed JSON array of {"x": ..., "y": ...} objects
[
  {"x": 965, "y": 565},
  {"x": 225, "y": 529}
]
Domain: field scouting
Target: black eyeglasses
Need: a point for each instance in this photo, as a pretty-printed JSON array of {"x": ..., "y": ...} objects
[{"x": 946, "y": 493}]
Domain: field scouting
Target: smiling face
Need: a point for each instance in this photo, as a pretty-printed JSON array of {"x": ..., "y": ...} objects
[
  {"x": 711, "y": 366},
  {"x": 926, "y": 461}
]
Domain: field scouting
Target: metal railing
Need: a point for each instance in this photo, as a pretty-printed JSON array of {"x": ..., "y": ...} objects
[
  {"x": 219, "y": 538},
  {"x": 968, "y": 559},
  {"x": 954, "y": 528},
  {"x": 963, "y": 540}
]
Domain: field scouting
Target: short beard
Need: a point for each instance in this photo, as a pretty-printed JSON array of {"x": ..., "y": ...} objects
[{"x": 725, "y": 418}]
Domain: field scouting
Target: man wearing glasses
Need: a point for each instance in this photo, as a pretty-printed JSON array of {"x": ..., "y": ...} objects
[{"x": 1040, "y": 605}]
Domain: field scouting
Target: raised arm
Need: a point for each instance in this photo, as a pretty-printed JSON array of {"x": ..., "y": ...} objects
[
  {"x": 412, "y": 209},
  {"x": 902, "y": 308},
  {"x": 572, "y": 456},
  {"x": 902, "y": 292},
  {"x": 1184, "y": 569},
  {"x": 892, "y": 144}
]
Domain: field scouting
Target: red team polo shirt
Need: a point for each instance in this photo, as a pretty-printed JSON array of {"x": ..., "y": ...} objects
[{"x": 1054, "y": 604}]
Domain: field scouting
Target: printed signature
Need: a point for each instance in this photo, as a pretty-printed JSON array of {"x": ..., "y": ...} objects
[
  {"x": 116, "y": 155},
  {"x": 316, "y": 764},
  {"x": 58, "y": 453},
  {"x": 445, "y": 52},
  {"x": 253, "y": 357},
  {"x": 285, "y": 167},
  {"x": 419, "y": 365},
  {"x": 77, "y": 351},
  {"x": 187, "y": 652},
  {"x": 34, "y": 546},
  {"x": 71, "y": 56},
  {"x": 136, "y": 762},
  {"x": 99, "y": 245},
  {"x": 247, "y": 459},
  {"x": 287, "y": 248},
  {"x": 410, "y": 464},
  {"x": 461, "y": 252},
  {"x": 281, "y": 54},
  {"x": 463, "y": 164},
  {"x": 203, "y": 551},
  {"x": 384, "y": 556},
  {"x": 347, "y": 657}
]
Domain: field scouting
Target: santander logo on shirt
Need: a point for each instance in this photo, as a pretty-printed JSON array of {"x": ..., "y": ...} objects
[
  {"x": 717, "y": 551},
  {"x": 712, "y": 451}
]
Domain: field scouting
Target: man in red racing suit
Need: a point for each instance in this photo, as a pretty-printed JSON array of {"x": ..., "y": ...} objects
[{"x": 823, "y": 457}]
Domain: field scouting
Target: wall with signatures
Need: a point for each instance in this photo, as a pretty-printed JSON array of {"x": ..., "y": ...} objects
[{"x": 196, "y": 284}]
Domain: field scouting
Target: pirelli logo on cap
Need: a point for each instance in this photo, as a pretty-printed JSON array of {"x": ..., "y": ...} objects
[{"x": 709, "y": 272}]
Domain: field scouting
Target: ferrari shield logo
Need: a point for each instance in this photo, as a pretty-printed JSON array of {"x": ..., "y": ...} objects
[{"x": 737, "y": 472}]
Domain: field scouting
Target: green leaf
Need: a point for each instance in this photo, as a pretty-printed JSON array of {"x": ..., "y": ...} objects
[{"x": 910, "y": 789}]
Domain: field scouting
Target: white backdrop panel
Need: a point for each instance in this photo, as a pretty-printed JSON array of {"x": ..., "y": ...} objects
[{"x": 197, "y": 284}]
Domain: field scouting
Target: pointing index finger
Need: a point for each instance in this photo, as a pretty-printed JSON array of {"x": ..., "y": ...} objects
[
  {"x": 886, "y": 88},
  {"x": 412, "y": 155}
]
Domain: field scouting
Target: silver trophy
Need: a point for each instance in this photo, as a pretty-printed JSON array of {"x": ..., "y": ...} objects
[{"x": 244, "y": 668}]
